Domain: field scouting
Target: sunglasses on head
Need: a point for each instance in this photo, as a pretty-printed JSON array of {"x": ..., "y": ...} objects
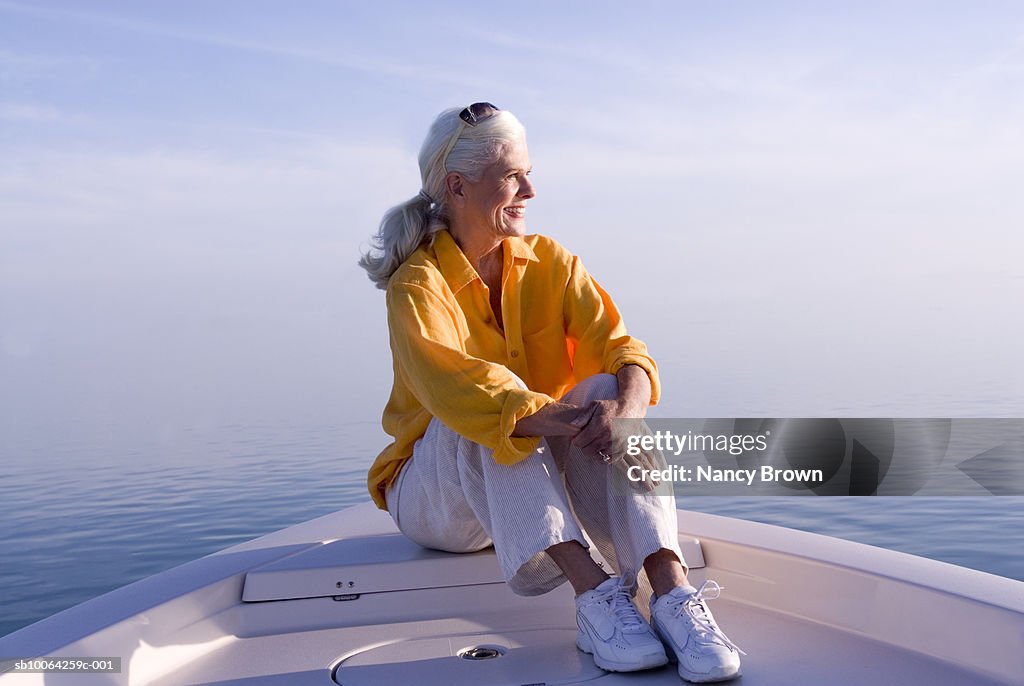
[
  {"x": 471, "y": 116},
  {"x": 477, "y": 112}
]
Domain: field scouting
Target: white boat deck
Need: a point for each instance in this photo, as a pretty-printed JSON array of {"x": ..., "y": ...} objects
[
  {"x": 782, "y": 651},
  {"x": 371, "y": 609}
]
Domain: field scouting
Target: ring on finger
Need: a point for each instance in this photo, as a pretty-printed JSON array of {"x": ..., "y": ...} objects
[{"x": 605, "y": 457}]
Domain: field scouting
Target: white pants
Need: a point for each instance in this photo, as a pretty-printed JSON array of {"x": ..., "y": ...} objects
[{"x": 453, "y": 496}]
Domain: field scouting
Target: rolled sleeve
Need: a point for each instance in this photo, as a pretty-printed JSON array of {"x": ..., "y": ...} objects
[{"x": 518, "y": 404}]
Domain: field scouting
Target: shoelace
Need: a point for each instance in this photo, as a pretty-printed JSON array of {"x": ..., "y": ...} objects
[
  {"x": 696, "y": 608},
  {"x": 622, "y": 606}
]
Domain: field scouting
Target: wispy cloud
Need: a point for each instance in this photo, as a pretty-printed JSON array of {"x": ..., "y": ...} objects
[
  {"x": 358, "y": 62},
  {"x": 28, "y": 112},
  {"x": 18, "y": 66}
]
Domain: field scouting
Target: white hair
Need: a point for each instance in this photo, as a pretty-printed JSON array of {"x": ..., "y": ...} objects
[{"x": 408, "y": 225}]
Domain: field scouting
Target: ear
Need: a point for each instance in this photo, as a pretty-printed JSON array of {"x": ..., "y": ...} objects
[{"x": 455, "y": 186}]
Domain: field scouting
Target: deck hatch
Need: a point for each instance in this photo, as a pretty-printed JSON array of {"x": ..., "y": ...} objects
[{"x": 369, "y": 564}]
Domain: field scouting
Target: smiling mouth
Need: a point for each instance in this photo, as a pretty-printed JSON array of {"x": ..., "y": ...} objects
[{"x": 515, "y": 212}]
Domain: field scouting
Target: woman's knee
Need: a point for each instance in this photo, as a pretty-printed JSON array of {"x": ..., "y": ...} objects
[{"x": 596, "y": 387}]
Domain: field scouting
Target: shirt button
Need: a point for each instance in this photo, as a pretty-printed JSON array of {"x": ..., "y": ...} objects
[{"x": 515, "y": 353}]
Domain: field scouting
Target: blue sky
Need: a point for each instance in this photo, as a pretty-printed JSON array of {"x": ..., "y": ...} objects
[{"x": 804, "y": 208}]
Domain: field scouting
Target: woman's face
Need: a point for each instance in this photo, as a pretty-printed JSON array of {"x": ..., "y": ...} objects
[{"x": 497, "y": 202}]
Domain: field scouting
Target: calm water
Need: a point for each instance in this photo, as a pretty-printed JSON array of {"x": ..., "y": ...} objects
[{"x": 79, "y": 521}]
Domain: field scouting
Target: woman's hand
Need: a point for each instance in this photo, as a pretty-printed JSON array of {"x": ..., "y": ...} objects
[
  {"x": 601, "y": 430},
  {"x": 609, "y": 427},
  {"x": 605, "y": 432},
  {"x": 606, "y": 438}
]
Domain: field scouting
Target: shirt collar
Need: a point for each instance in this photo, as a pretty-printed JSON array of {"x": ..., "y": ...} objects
[
  {"x": 520, "y": 249},
  {"x": 457, "y": 270}
]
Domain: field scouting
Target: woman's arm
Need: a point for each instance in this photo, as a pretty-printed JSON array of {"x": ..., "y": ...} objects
[
  {"x": 634, "y": 392},
  {"x": 593, "y": 427},
  {"x": 557, "y": 419}
]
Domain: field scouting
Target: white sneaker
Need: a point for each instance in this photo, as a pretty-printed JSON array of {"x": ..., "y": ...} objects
[
  {"x": 614, "y": 632},
  {"x": 686, "y": 625}
]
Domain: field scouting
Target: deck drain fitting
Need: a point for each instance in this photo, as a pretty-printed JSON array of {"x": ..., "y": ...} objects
[{"x": 487, "y": 652}]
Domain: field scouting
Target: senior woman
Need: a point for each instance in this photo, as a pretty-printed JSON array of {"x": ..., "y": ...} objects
[{"x": 511, "y": 366}]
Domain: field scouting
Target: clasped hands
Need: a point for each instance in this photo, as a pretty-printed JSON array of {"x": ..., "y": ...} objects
[{"x": 605, "y": 427}]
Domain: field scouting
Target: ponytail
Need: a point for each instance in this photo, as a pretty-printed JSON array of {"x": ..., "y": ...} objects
[{"x": 404, "y": 228}]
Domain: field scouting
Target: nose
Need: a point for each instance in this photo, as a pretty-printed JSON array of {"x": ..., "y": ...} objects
[{"x": 526, "y": 189}]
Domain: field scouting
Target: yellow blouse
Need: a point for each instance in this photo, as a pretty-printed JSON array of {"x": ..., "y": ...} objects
[{"x": 451, "y": 361}]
